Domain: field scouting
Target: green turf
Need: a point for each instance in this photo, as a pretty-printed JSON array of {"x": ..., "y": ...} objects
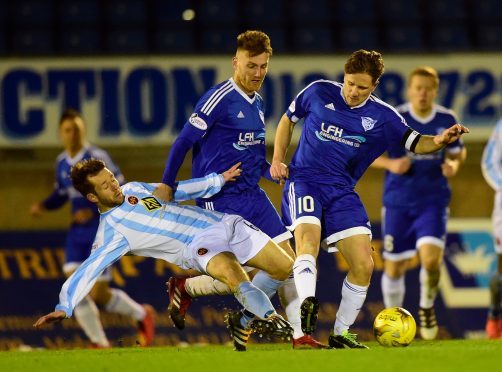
[{"x": 450, "y": 355}]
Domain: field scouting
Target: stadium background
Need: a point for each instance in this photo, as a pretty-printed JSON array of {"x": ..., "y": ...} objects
[{"x": 135, "y": 68}]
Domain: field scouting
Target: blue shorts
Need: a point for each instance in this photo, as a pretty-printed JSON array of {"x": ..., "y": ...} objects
[
  {"x": 78, "y": 246},
  {"x": 254, "y": 206},
  {"x": 339, "y": 212},
  {"x": 406, "y": 229}
]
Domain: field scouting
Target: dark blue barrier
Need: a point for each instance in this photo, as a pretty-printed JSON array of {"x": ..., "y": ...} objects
[{"x": 31, "y": 277}]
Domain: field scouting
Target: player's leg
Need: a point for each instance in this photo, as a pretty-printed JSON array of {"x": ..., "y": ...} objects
[
  {"x": 220, "y": 251},
  {"x": 430, "y": 258},
  {"x": 290, "y": 302},
  {"x": 494, "y": 320},
  {"x": 254, "y": 207},
  {"x": 398, "y": 248},
  {"x": 431, "y": 231},
  {"x": 115, "y": 300},
  {"x": 348, "y": 231},
  {"x": 225, "y": 267},
  {"x": 302, "y": 212},
  {"x": 393, "y": 288},
  {"x": 357, "y": 252}
]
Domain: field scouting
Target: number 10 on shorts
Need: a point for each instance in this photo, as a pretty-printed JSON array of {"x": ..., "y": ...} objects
[{"x": 305, "y": 204}]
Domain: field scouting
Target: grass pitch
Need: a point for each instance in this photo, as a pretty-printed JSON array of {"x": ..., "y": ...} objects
[{"x": 444, "y": 355}]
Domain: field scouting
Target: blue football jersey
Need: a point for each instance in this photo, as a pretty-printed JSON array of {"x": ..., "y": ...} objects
[
  {"x": 231, "y": 127},
  {"x": 424, "y": 183},
  {"x": 339, "y": 142}
]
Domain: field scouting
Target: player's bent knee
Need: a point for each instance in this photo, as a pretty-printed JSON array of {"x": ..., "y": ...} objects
[
  {"x": 283, "y": 270},
  {"x": 363, "y": 269},
  {"x": 431, "y": 263},
  {"x": 226, "y": 268}
]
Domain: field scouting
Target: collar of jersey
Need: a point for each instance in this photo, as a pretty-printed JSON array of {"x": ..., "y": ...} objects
[
  {"x": 358, "y": 106},
  {"x": 241, "y": 92},
  {"x": 421, "y": 120},
  {"x": 78, "y": 157}
]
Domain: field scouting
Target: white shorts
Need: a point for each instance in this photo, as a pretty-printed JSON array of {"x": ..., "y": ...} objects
[
  {"x": 497, "y": 222},
  {"x": 232, "y": 234}
]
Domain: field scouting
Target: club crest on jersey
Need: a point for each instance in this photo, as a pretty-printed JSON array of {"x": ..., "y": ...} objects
[
  {"x": 132, "y": 200},
  {"x": 202, "y": 251},
  {"x": 150, "y": 203},
  {"x": 368, "y": 123},
  {"x": 197, "y": 122}
]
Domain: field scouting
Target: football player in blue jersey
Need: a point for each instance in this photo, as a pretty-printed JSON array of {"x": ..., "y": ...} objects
[
  {"x": 491, "y": 165},
  {"x": 228, "y": 125},
  {"x": 345, "y": 129},
  {"x": 84, "y": 223},
  {"x": 416, "y": 198},
  {"x": 134, "y": 222}
]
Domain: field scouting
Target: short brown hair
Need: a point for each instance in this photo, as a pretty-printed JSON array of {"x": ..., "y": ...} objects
[
  {"x": 255, "y": 42},
  {"x": 427, "y": 72},
  {"x": 365, "y": 61},
  {"x": 83, "y": 169},
  {"x": 69, "y": 113}
]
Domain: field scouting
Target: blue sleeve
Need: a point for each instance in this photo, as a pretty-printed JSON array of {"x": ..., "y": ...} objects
[
  {"x": 188, "y": 136},
  {"x": 203, "y": 187},
  {"x": 300, "y": 105},
  {"x": 398, "y": 132},
  {"x": 55, "y": 200},
  {"x": 59, "y": 195}
]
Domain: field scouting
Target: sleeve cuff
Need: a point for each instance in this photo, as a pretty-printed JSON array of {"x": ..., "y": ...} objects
[{"x": 67, "y": 310}]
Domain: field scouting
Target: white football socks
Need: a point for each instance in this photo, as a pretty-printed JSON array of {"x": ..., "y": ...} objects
[
  {"x": 254, "y": 300},
  {"x": 305, "y": 272},
  {"x": 267, "y": 284},
  {"x": 205, "y": 285},
  {"x": 393, "y": 291},
  {"x": 353, "y": 297},
  {"x": 429, "y": 286},
  {"x": 290, "y": 302},
  {"x": 87, "y": 315},
  {"x": 121, "y": 303}
]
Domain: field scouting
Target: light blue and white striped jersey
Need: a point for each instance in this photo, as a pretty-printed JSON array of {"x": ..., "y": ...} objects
[
  {"x": 491, "y": 164},
  {"x": 143, "y": 226}
]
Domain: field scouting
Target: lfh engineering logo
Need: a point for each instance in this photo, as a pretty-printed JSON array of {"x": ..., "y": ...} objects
[{"x": 330, "y": 132}]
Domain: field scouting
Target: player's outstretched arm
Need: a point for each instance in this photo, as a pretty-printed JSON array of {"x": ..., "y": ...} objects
[
  {"x": 205, "y": 187},
  {"x": 278, "y": 170},
  {"x": 396, "y": 165},
  {"x": 55, "y": 316},
  {"x": 428, "y": 144}
]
